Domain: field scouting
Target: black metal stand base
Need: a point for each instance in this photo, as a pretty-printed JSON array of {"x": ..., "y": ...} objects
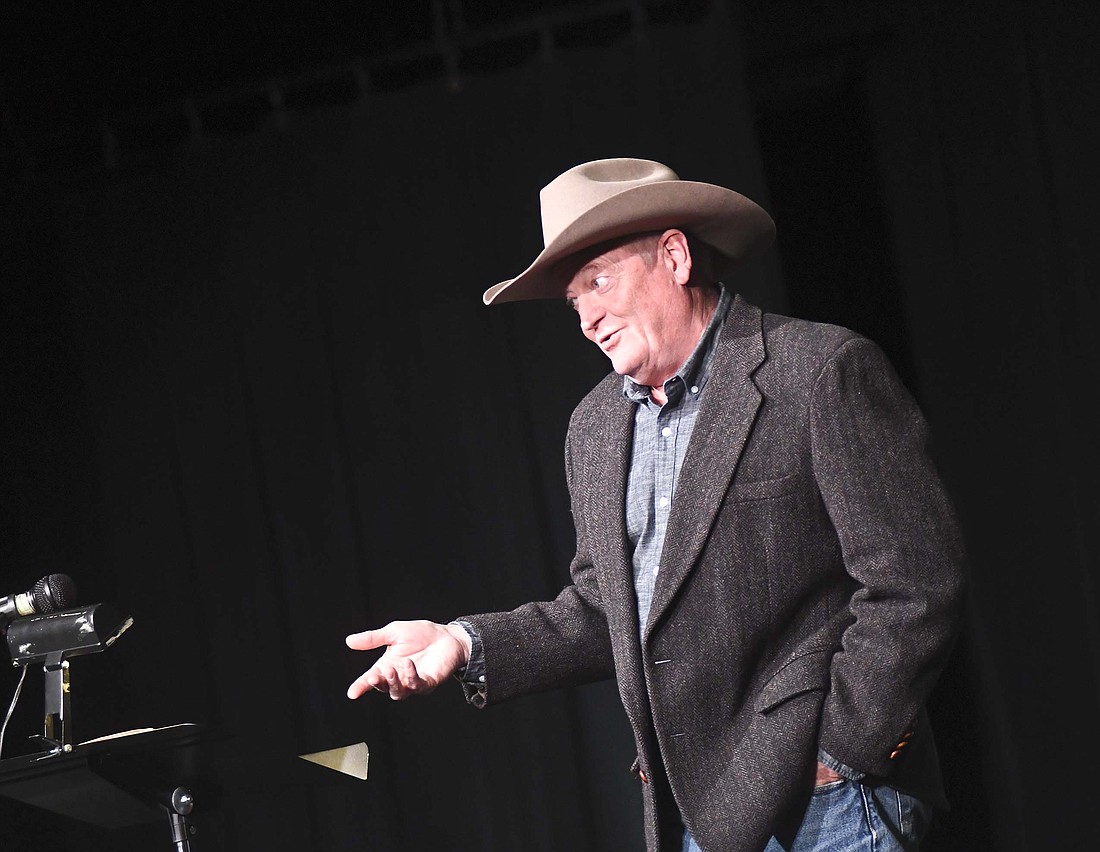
[{"x": 179, "y": 808}]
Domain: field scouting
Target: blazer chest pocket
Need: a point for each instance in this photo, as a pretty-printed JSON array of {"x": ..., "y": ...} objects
[
  {"x": 763, "y": 489},
  {"x": 807, "y": 673}
]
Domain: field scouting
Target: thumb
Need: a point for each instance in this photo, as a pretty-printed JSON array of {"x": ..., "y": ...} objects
[{"x": 369, "y": 639}]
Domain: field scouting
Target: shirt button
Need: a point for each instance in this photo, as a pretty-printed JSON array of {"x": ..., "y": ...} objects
[
  {"x": 695, "y": 388},
  {"x": 666, "y": 431},
  {"x": 664, "y": 501},
  {"x": 481, "y": 679}
]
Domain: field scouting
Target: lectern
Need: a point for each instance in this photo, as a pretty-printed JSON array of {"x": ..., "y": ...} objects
[
  {"x": 118, "y": 780},
  {"x": 139, "y": 776}
]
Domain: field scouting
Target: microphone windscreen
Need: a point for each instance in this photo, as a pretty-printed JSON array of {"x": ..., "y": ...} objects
[{"x": 54, "y": 592}]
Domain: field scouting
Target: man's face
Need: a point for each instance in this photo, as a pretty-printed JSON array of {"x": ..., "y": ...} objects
[{"x": 632, "y": 306}]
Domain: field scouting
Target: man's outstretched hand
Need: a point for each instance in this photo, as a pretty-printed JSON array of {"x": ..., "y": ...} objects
[{"x": 419, "y": 656}]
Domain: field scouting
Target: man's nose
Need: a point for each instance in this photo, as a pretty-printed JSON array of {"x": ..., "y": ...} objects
[{"x": 590, "y": 315}]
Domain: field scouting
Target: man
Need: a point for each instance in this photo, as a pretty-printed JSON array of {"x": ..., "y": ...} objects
[{"x": 766, "y": 561}]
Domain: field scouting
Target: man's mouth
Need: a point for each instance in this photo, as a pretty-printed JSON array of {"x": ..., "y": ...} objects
[{"x": 607, "y": 339}]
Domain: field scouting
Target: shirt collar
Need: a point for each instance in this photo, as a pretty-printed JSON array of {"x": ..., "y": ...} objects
[{"x": 696, "y": 369}]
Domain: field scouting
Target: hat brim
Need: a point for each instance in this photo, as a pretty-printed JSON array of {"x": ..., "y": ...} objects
[{"x": 726, "y": 220}]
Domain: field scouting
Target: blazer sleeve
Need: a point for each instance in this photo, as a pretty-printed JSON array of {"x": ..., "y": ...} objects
[
  {"x": 900, "y": 543},
  {"x": 547, "y": 644}
]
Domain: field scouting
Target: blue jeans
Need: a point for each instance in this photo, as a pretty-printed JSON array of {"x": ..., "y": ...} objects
[{"x": 846, "y": 816}]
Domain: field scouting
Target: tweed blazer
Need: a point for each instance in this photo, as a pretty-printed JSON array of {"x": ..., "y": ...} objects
[{"x": 808, "y": 594}]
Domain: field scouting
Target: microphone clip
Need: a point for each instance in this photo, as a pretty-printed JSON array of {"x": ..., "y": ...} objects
[{"x": 52, "y": 639}]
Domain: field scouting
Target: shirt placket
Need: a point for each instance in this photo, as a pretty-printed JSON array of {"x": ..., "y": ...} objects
[{"x": 664, "y": 469}]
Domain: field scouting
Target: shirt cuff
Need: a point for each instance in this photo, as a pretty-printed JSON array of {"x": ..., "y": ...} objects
[
  {"x": 474, "y": 670},
  {"x": 841, "y": 769}
]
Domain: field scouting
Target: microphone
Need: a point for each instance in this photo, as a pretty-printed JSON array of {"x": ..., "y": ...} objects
[{"x": 52, "y": 593}]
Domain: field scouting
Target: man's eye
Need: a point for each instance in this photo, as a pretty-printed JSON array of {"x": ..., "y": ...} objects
[
  {"x": 571, "y": 302},
  {"x": 601, "y": 283}
]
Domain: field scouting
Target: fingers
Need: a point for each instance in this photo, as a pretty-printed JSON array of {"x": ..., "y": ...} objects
[
  {"x": 360, "y": 685},
  {"x": 825, "y": 775},
  {"x": 397, "y": 677},
  {"x": 403, "y": 680}
]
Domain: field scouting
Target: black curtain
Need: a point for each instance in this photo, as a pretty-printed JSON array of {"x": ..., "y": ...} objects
[
  {"x": 253, "y": 398},
  {"x": 271, "y": 410}
]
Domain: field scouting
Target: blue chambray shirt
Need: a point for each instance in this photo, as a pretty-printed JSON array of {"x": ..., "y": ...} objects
[{"x": 661, "y": 437}]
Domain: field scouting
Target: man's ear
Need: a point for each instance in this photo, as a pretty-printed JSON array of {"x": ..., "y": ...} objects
[{"x": 673, "y": 251}]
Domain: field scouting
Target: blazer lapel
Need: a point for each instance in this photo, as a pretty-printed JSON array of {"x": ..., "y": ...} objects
[
  {"x": 731, "y": 401},
  {"x": 612, "y": 439}
]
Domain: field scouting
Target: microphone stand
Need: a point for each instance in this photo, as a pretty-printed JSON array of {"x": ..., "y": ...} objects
[
  {"x": 57, "y": 728},
  {"x": 180, "y": 804}
]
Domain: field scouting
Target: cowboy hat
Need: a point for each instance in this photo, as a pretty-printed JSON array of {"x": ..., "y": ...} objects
[{"x": 606, "y": 199}]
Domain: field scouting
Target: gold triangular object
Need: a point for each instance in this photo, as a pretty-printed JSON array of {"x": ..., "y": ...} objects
[{"x": 351, "y": 760}]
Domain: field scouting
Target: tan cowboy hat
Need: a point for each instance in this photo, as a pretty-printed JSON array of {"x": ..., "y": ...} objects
[{"x": 607, "y": 199}]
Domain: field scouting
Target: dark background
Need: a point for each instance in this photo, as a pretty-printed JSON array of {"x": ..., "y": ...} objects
[{"x": 251, "y": 396}]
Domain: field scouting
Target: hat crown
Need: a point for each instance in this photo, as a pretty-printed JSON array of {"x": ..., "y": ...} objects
[{"x": 573, "y": 193}]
